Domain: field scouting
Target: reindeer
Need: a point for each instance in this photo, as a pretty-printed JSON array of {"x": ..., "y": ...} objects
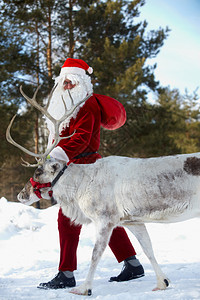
[{"x": 116, "y": 191}]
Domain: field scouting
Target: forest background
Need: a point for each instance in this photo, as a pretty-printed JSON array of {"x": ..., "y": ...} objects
[{"x": 37, "y": 36}]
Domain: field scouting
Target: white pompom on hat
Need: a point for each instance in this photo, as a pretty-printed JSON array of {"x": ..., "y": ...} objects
[{"x": 75, "y": 66}]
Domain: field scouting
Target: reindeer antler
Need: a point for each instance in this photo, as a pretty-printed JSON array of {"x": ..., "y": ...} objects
[{"x": 41, "y": 157}]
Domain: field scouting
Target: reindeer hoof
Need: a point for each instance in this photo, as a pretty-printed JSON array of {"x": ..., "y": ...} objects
[
  {"x": 77, "y": 291},
  {"x": 163, "y": 285},
  {"x": 166, "y": 281}
]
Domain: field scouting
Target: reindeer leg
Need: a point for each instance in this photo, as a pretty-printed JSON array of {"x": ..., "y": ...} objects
[
  {"x": 103, "y": 232},
  {"x": 140, "y": 232}
]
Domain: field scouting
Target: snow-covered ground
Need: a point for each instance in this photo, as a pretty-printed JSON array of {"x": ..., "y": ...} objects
[{"x": 29, "y": 254}]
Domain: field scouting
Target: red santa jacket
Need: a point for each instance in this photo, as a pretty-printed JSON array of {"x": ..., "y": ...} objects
[{"x": 97, "y": 111}]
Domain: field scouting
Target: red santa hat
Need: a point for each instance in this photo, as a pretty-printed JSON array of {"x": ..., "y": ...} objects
[{"x": 75, "y": 66}]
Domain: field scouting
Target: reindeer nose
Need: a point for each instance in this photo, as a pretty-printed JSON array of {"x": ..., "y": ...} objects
[
  {"x": 23, "y": 197},
  {"x": 20, "y": 197}
]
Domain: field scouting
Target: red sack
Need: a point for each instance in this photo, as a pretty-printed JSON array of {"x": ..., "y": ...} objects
[{"x": 113, "y": 114}]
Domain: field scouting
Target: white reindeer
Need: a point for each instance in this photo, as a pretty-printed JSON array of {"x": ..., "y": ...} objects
[{"x": 118, "y": 191}]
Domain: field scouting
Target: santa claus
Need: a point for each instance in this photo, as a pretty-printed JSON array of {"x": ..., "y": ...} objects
[{"x": 73, "y": 84}]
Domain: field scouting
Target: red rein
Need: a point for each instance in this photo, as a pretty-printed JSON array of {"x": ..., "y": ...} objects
[{"x": 37, "y": 186}]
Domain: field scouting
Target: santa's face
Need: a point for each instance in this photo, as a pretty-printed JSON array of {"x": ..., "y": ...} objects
[
  {"x": 67, "y": 84},
  {"x": 78, "y": 86}
]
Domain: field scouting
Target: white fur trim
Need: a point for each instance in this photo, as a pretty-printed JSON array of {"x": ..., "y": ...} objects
[
  {"x": 72, "y": 70},
  {"x": 59, "y": 153}
]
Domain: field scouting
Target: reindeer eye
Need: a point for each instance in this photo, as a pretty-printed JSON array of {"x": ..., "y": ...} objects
[{"x": 38, "y": 172}]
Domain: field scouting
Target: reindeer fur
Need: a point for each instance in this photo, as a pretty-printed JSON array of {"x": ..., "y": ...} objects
[{"x": 123, "y": 191}]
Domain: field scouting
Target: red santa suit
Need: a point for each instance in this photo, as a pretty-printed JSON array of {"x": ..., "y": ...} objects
[{"x": 82, "y": 148}]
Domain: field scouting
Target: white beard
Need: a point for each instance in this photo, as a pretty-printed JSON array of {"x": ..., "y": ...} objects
[{"x": 56, "y": 108}]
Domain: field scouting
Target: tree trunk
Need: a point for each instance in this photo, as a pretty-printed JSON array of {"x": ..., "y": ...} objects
[
  {"x": 38, "y": 82},
  {"x": 71, "y": 30},
  {"x": 49, "y": 48}
]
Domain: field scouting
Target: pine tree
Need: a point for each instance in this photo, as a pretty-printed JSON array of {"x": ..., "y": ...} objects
[
  {"x": 119, "y": 59},
  {"x": 107, "y": 35}
]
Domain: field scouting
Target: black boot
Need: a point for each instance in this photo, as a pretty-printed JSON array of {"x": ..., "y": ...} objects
[
  {"x": 129, "y": 272},
  {"x": 59, "y": 282}
]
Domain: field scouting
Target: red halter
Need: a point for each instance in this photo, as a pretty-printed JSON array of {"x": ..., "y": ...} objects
[{"x": 37, "y": 186}]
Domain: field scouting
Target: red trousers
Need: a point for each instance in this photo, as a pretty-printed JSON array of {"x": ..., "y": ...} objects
[{"x": 69, "y": 238}]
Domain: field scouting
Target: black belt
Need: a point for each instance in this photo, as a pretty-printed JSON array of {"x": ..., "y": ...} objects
[{"x": 84, "y": 154}]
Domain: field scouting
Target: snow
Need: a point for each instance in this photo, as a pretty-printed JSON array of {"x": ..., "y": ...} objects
[{"x": 29, "y": 254}]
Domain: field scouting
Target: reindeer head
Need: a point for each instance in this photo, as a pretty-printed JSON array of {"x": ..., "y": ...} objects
[{"x": 40, "y": 185}]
